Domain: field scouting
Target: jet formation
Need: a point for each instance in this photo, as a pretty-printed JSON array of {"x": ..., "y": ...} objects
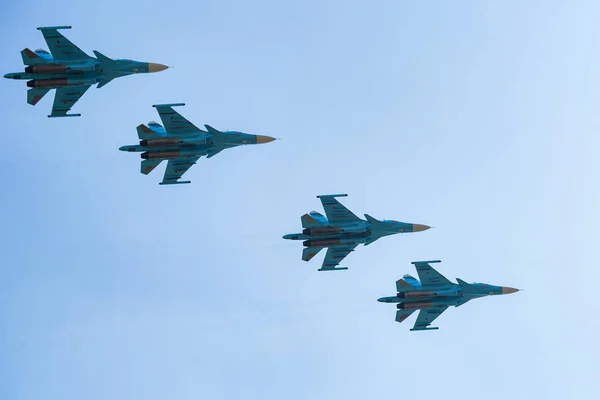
[
  {"x": 342, "y": 231},
  {"x": 182, "y": 143},
  {"x": 434, "y": 294},
  {"x": 71, "y": 71}
]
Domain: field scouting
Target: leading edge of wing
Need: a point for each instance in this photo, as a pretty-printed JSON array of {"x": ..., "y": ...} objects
[
  {"x": 426, "y": 317},
  {"x": 334, "y": 257}
]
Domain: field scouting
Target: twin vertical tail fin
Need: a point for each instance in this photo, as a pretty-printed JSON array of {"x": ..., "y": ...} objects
[
  {"x": 308, "y": 221},
  {"x": 407, "y": 284},
  {"x": 313, "y": 219}
]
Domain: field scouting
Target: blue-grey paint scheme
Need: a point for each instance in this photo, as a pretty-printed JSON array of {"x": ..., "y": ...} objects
[
  {"x": 341, "y": 231},
  {"x": 71, "y": 71},
  {"x": 433, "y": 294},
  {"x": 182, "y": 143}
]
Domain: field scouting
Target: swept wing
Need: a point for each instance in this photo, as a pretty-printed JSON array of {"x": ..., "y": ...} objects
[
  {"x": 426, "y": 317},
  {"x": 176, "y": 168},
  {"x": 61, "y": 48},
  {"x": 429, "y": 276},
  {"x": 335, "y": 211},
  {"x": 335, "y": 255},
  {"x": 65, "y": 98},
  {"x": 175, "y": 124}
]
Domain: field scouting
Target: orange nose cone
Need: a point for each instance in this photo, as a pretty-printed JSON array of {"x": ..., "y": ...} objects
[
  {"x": 260, "y": 139},
  {"x": 508, "y": 290},
  {"x": 419, "y": 227},
  {"x": 153, "y": 67}
]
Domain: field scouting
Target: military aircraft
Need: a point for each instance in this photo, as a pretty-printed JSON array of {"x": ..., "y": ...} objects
[
  {"x": 70, "y": 71},
  {"x": 434, "y": 294},
  {"x": 182, "y": 143},
  {"x": 341, "y": 231}
]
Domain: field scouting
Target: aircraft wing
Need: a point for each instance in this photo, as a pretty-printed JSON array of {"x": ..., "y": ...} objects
[
  {"x": 61, "y": 48},
  {"x": 426, "y": 317},
  {"x": 175, "y": 124},
  {"x": 65, "y": 98},
  {"x": 335, "y": 255},
  {"x": 429, "y": 276},
  {"x": 335, "y": 211},
  {"x": 176, "y": 168}
]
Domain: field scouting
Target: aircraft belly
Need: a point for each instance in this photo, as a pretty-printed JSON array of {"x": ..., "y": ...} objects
[
  {"x": 185, "y": 151},
  {"x": 332, "y": 241}
]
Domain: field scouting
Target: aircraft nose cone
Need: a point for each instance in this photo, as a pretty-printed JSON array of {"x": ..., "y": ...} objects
[
  {"x": 381, "y": 299},
  {"x": 419, "y": 227},
  {"x": 153, "y": 67},
  {"x": 508, "y": 290},
  {"x": 260, "y": 139}
]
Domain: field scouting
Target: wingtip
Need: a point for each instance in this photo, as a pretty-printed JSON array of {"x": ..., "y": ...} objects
[
  {"x": 54, "y": 27},
  {"x": 168, "y": 105}
]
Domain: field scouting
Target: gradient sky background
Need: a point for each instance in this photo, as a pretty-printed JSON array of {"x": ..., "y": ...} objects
[{"x": 477, "y": 117}]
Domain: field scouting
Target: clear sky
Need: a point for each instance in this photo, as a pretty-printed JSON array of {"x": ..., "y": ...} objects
[{"x": 477, "y": 117}]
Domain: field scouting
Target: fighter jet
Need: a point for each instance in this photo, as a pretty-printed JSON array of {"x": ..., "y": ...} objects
[
  {"x": 182, "y": 143},
  {"x": 70, "y": 71},
  {"x": 342, "y": 231},
  {"x": 434, "y": 294}
]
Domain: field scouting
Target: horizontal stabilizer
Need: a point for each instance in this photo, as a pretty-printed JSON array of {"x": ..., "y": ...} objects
[
  {"x": 31, "y": 58},
  {"x": 401, "y": 315},
  {"x": 149, "y": 165},
  {"x": 333, "y": 269},
  {"x": 308, "y": 221},
  {"x": 146, "y": 133},
  {"x": 309, "y": 252},
  {"x": 34, "y": 95}
]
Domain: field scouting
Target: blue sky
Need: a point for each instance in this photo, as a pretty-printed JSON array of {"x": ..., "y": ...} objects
[{"x": 477, "y": 117}]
